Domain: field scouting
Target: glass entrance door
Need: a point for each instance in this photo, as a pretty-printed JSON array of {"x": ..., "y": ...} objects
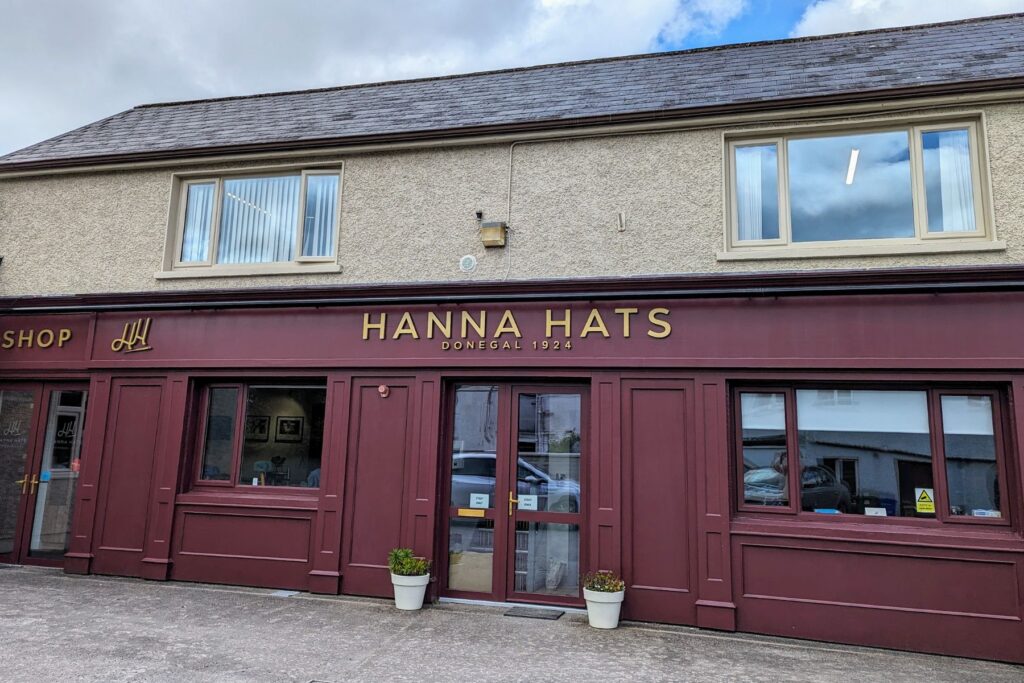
[
  {"x": 57, "y": 474},
  {"x": 515, "y": 491},
  {"x": 17, "y": 427},
  {"x": 41, "y": 429}
]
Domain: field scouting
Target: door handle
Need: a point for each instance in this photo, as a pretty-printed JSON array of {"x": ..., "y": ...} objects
[
  {"x": 34, "y": 483},
  {"x": 23, "y": 482},
  {"x": 511, "y": 500}
]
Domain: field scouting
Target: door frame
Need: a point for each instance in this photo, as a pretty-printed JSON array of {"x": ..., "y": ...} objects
[
  {"x": 502, "y": 582},
  {"x": 43, "y": 390}
]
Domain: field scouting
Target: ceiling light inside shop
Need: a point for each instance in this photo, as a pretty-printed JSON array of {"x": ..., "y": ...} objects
[{"x": 852, "y": 168}]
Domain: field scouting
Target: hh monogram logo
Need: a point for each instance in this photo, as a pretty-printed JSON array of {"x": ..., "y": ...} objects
[{"x": 135, "y": 337}]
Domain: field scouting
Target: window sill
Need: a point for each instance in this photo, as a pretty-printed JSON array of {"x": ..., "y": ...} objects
[
  {"x": 298, "y": 268},
  {"x": 936, "y": 247},
  {"x": 289, "y": 498},
  {"x": 884, "y": 530}
]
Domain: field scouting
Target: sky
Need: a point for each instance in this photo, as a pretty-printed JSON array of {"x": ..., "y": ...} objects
[{"x": 70, "y": 62}]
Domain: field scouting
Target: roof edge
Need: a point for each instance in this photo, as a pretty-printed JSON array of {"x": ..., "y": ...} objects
[
  {"x": 652, "y": 116},
  {"x": 599, "y": 60}
]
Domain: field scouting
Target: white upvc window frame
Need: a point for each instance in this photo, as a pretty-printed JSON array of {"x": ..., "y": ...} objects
[
  {"x": 981, "y": 239},
  {"x": 174, "y": 267},
  {"x": 301, "y": 230}
]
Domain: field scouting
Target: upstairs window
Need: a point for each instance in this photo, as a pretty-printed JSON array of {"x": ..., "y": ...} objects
[
  {"x": 287, "y": 218},
  {"x": 912, "y": 185}
]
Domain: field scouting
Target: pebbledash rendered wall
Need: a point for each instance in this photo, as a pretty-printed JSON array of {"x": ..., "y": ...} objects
[{"x": 407, "y": 216}]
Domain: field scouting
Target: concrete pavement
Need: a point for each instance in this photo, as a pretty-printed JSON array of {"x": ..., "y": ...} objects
[{"x": 55, "y": 627}]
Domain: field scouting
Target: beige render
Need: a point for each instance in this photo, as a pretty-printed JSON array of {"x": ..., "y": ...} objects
[{"x": 408, "y": 215}]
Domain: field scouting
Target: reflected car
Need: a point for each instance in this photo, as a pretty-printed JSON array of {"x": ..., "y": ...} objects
[
  {"x": 474, "y": 473},
  {"x": 820, "y": 489}
]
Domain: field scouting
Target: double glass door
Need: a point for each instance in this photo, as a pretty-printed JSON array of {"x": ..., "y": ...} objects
[
  {"x": 515, "y": 478},
  {"x": 41, "y": 429}
]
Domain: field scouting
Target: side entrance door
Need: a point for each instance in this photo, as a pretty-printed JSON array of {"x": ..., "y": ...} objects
[
  {"x": 517, "y": 460},
  {"x": 40, "y": 459}
]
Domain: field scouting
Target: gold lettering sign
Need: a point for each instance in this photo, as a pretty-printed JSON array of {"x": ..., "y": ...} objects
[
  {"x": 477, "y": 331},
  {"x": 35, "y": 339},
  {"x": 134, "y": 337}
]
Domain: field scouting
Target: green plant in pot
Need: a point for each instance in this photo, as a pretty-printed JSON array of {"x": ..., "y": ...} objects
[
  {"x": 604, "y": 592},
  {"x": 409, "y": 576}
]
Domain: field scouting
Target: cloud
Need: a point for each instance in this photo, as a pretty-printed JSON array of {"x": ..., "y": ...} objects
[
  {"x": 840, "y": 16},
  {"x": 67, "y": 63}
]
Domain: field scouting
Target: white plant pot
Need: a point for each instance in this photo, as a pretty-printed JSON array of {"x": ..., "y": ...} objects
[
  {"x": 603, "y": 608},
  {"x": 409, "y": 590}
]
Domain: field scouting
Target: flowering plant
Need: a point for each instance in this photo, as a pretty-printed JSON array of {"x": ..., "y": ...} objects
[{"x": 603, "y": 581}]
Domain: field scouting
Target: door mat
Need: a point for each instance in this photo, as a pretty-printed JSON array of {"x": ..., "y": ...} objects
[{"x": 534, "y": 613}]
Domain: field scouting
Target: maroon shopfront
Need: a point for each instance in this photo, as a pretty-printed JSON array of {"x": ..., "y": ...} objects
[{"x": 819, "y": 456}]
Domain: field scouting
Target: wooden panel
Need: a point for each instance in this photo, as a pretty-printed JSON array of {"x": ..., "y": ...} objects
[
  {"x": 657, "y": 461},
  {"x": 926, "y": 599},
  {"x": 605, "y": 478},
  {"x": 325, "y": 576},
  {"x": 245, "y": 535},
  {"x": 380, "y": 439},
  {"x": 715, "y": 609},
  {"x": 243, "y": 546},
  {"x": 133, "y": 431},
  {"x": 881, "y": 580}
]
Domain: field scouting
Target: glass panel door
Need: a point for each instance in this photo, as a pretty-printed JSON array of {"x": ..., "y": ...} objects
[
  {"x": 474, "y": 482},
  {"x": 547, "y": 502},
  {"x": 515, "y": 474},
  {"x": 17, "y": 409},
  {"x": 57, "y": 475}
]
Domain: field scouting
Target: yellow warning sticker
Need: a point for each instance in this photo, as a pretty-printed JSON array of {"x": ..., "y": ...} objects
[{"x": 925, "y": 500}]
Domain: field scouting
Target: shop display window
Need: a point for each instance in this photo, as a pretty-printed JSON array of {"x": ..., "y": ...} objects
[
  {"x": 261, "y": 435},
  {"x": 925, "y": 453}
]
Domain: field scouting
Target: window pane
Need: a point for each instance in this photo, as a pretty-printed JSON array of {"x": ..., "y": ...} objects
[
  {"x": 765, "y": 466},
  {"x": 970, "y": 445},
  {"x": 321, "y": 209},
  {"x": 220, "y": 432},
  {"x": 470, "y": 555},
  {"x": 851, "y": 187},
  {"x": 865, "y": 452},
  {"x": 16, "y": 410},
  {"x": 548, "y": 437},
  {"x": 284, "y": 432},
  {"x": 547, "y": 559},
  {"x": 474, "y": 446},
  {"x": 947, "y": 179},
  {"x": 757, "y": 192},
  {"x": 195, "y": 240},
  {"x": 258, "y": 220}
]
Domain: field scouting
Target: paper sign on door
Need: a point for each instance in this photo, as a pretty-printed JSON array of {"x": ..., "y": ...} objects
[
  {"x": 478, "y": 500},
  {"x": 527, "y": 502},
  {"x": 925, "y": 500}
]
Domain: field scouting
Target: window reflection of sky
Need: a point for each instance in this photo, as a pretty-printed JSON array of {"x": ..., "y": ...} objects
[{"x": 877, "y": 204}]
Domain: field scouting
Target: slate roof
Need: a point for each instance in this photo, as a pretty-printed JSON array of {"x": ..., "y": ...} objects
[{"x": 950, "y": 57}]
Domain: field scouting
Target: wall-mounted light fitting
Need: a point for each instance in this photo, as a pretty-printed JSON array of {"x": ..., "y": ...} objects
[{"x": 492, "y": 233}]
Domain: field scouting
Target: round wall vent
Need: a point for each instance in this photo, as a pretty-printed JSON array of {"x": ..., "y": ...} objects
[{"x": 467, "y": 264}]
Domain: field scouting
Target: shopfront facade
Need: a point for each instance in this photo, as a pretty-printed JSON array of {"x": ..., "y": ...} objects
[
  {"x": 748, "y": 336},
  {"x": 519, "y": 440}
]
